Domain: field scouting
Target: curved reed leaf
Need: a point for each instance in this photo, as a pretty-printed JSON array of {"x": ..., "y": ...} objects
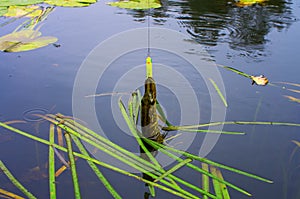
[
  {"x": 99, "y": 174},
  {"x": 181, "y": 193},
  {"x": 205, "y": 180},
  {"x": 15, "y": 181},
  {"x": 189, "y": 155},
  {"x": 173, "y": 169},
  {"x": 171, "y": 155},
  {"x": 219, "y": 92},
  {"x": 231, "y": 123},
  {"x": 72, "y": 166}
]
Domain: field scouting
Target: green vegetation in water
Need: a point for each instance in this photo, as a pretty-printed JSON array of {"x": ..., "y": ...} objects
[
  {"x": 3, "y": 10},
  {"x": 24, "y": 11},
  {"x": 19, "y": 2},
  {"x": 163, "y": 179},
  {"x": 24, "y": 40},
  {"x": 260, "y": 80},
  {"x": 70, "y": 3},
  {"x": 219, "y": 92},
  {"x": 25, "y": 37},
  {"x": 136, "y": 4}
]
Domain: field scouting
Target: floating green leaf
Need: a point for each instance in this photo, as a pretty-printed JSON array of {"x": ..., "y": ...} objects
[
  {"x": 136, "y": 4},
  {"x": 70, "y": 3},
  {"x": 3, "y": 10},
  {"x": 19, "y": 2},
  {"x": 19, "y": 11},
  {"x": 24, "y": 40}
]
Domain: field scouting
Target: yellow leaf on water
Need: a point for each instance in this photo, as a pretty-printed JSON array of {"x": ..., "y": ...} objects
[
  {"x": 296, "y": 142},
  {"x": 259, "y": 80},
  {"x": 293, "y": 90},
  {"x": 243, "y": 3},
  {"x": 10, "y": 194},
  {"x": 292, "y": 98},
  {"x": 19, "y": 11}
]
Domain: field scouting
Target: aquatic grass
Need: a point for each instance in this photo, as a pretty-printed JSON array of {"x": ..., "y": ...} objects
[
  {"x": 202, "y": 171},
  {"x": 98, "y": 173},
  {"x": 205, "y": 160},
  {"x": 220, "y": 188},
  {"x": 52, "y": 185},
  {"x": 219, "y": 92},
  {"x": 235, "y": 71},
  {"x": 232, "y": 123},
  {"x": 144, "y": 168},
  {"x": 173, "y": 169},
  {"x": 72, "y": 166},
  {"x": 181, "y": 128},
  {"x": 35, "y": 138},
  {"x": 10, "y": 176},
  {"x": 205, "y": 179},
  {"x": 170, "y": 171},
  {"x": 183, "y": 193}
]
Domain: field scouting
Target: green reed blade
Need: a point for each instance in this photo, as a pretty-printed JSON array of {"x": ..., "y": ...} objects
[
  {"x": 173, "y": 169},
  {"x": 197, "y": 168},
  {"x": 135, "y": 133},
  {"x": 216, "y": 183},
  {"x": 52, "y": 185},
  {"x": 15, "y": 181},
  {"x": 151, "y": 190},
  {"x": 72, "y": 166},
  {"x": 235, "y": 71},
  {"x": 162, "y": 114},
  {"x": 104, "y": 145},
  {"x": 138, "y": 136},
  {"x": 98, "y": 173},
  {"x": 115, "y": 149},
  {"x": 202, "y": 130},
  {"x": 204, "y": 160},
  {"x": 222, "y": 186},
  {"x": 219, "y": 92},
  {"x": 233, "y": 123},
  {"x": 205, "y": 180}
]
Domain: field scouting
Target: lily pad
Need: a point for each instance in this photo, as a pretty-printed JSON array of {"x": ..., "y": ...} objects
[
  {"x": 3, "y": 10},
  {"x": 24, "y": 40},
  {"x": 18, "y": 11},
  {"x": 136, "y": 4},
  {"x": 243, "y": 3},
  {"x": 19, "y": 2},
  {"x": 70, "y": 3}
]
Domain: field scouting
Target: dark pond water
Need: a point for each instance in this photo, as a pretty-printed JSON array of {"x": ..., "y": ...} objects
[{"x": 256, "y": 40}]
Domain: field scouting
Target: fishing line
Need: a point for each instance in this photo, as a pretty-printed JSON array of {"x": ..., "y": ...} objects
[{"x": 148, "y": 28}]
